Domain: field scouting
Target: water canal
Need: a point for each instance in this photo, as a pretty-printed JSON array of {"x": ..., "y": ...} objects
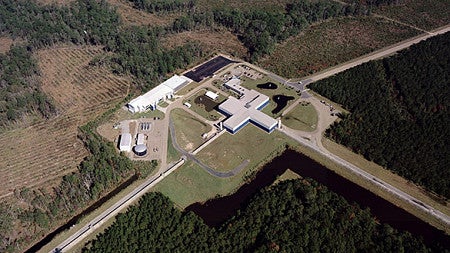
[{"x": 214, "y": 212}]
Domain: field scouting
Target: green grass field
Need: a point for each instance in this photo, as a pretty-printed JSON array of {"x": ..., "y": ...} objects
[
  {"x": 303, "y": 117},
  {"x": 186, "y": 89},
  {"x": 200, "y": 109},
  {"x": 188, "y": 129},
  {"x": 190, "y": 183},
  {"x": 332, "y": 42},
  {"x": 281, "y": 90},
  {"x": 252, "y": 143},
  {"x": 172, "y": 153}
]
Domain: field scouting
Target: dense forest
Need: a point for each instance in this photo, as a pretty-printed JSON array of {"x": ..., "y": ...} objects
[
  {"x": 19, "y": 92},
  {"x": 399, "y": 112},
  {"x": 293, "y": 216}
]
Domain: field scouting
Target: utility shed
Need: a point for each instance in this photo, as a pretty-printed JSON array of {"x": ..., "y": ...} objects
[
  {"x": 211, "y": 95},
  {"x": 125, "y": 142}
]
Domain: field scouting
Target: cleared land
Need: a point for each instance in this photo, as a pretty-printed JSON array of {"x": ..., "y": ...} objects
[
  {"x": 211, "y": 41},
  {"x": 47, "y": 150},
  {"x": 188, "y": 129},
  {"x": 250, "y": 143},
  {"x": 132, "y": 16},
  {"x": 5, "y": 44},
  {"x": 332, "y": 42},
  {"x": 303, "y": 117},
  {"x": 287, "y": 175},
  {"x": 425, "y": 14}
]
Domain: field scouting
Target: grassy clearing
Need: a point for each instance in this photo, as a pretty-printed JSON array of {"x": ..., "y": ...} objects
[
  {"x": 426, "y": 15},
  {"x": 190, "y": 184},
  {"x": 333, "y": 42},
  {"x": 287, "y": 175},
  {"x": 281, "y": 90},
  {"x": 188, "y": 129},
  {"x": 211, "y": 41},
  {"x": 303, "y": 117},
  {"x": 186, "y": 89},
  {"x": 172, "y": 153},
  {"x": 252, "y": 143},
  {"x": 201, "y": 110}
]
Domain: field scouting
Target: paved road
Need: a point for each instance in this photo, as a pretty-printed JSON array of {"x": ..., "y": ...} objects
[
  {"x": 375, "y": 55},
  {"x": 190, "y": 156},
  {"x": 387, "y": 187},
  {"x": 114, "y": 209}
]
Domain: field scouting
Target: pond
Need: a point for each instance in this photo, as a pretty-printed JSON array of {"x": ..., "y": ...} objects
[
  {"x": 268, "y": 86},
  {"x": 281, "y": 101},
  {"x": 216, "y": 211},
  {"x": 207, "y": 102}
]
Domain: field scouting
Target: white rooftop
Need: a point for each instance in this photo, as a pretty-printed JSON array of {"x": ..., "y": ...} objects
[
  {"x": 246, "y": 108},
  {"x": 176, "y": 81}
]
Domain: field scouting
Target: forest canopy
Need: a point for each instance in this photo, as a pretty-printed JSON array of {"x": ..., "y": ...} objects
[
  {"x": 294, "y": 216},
  {"x": 399, "y": 112}
]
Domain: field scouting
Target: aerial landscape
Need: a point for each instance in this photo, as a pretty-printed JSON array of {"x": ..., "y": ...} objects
[{"x": 224, "y": 126}]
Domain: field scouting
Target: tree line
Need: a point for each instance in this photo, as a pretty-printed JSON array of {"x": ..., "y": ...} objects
[
  {"x": 260, "y": 30},
  {"x": 20, "y": 91},
  {"x": 399, "y": 112},
  {"x": 163, "y": 6},
  {"x": 293, "y": 216}
]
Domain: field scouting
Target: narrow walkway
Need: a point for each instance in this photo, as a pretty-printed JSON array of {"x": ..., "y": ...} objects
[{"x": 208, "y": 169}]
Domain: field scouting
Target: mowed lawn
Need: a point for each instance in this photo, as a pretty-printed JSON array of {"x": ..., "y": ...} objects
[
  {"x": 190, "y": 183},
  {"x": 281, "y": 90},
  {"x": 303, "y": 117},
  {"x": 188, "y": 129},
  {"x": 250, "y": 143},
  {"x": 332, "y": 42},
  {"x": 205, "y": 108}
]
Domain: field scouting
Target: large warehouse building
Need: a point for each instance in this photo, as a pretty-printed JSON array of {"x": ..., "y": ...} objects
[
  {"x": 165, "y": 90},
  {"x": 246, "y": 109}
]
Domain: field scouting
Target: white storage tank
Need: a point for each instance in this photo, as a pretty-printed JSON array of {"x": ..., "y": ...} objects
[{"x": 140, "y": 150}]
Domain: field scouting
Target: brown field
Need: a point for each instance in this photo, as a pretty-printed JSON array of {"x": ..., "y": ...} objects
[
  {"x": 224, "y": 41},
  {"x": 427, "y": 15},
  {"x": 132, "y": 16},
  {"x": 332, "y": 42},
  {"x": 5, "y": 44},
  {"x": 49, "y": 149}
]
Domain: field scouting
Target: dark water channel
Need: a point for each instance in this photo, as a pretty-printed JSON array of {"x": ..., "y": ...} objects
[
  {"x": 75, "y": 219},
  {"x": 216, "y": 211},
  {"x": 281, "y": 101}
]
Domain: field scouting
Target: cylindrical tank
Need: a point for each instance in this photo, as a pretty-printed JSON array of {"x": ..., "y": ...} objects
[{"x": 140, "y": 149}]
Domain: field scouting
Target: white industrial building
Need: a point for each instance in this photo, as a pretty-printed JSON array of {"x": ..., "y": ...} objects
[
  {"x": 246, "y": 109},
  {"x": 125, "y": 142},
  {"x": 165, "y": 90}
]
